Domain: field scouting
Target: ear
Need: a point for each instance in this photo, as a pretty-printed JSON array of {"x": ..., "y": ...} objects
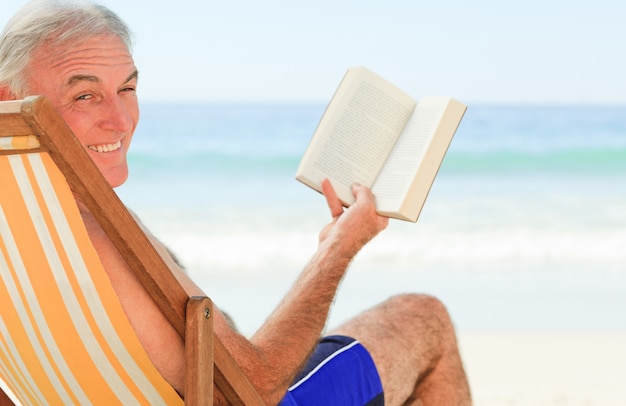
[{"x": 6, "y": 93}]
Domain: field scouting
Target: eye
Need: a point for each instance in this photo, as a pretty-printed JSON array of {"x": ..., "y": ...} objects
[
  {"x": 84, "y": 97},
  {"x": 128, "y": 89}
]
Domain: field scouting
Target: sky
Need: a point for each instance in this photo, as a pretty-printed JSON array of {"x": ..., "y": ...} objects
[{"x": 484, "y": 51}]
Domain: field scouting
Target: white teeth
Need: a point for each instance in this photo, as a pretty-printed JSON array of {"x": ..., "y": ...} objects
[{"x": 105, "y": 147}]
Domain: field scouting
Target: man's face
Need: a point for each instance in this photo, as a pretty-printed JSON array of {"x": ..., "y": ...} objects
[{"x": 93, "y": 86}]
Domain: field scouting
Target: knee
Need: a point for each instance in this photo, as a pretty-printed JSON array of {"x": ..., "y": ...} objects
[
  {"x": 424, "y": 310},
  {"x": 417, "y": 302}
]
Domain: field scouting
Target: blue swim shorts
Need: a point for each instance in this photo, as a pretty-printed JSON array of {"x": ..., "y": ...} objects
[{"x": 340, "y": 372}]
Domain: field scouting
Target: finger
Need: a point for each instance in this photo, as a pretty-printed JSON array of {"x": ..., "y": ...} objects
[
  {"x": 365, "y": 195},
  {"x": 361, "y": 192},
  {"x": 334, "y": 204}
]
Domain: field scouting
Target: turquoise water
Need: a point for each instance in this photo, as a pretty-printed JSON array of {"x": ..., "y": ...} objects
[
  {"x": 524, "y": 229},
  {"x": 233, "y": 138}
]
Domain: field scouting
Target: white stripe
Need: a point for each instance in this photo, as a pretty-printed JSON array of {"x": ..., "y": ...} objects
[
  {"x": 6, "y": 142},
  {"x": 35, "y": 311},
  {"x": 94, "y": 302},
  {"x": 327, "y": 360}
]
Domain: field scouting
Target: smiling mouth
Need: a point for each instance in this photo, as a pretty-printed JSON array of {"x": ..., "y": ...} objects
[{"x": 105, "y": 147}]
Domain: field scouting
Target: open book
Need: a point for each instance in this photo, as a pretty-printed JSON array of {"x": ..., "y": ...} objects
[{"x": 374, "y": 134}]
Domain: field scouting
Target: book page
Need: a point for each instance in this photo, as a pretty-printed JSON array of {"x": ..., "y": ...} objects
[
  {"x": 404, "y": 183},
  {"x": 397, "y": 175},
  {"x": 356, "y": 133},
  {"x": 363, "y": 136}
]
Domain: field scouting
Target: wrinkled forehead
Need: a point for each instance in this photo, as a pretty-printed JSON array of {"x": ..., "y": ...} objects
[
  {"x": 62, "y": 44},
  {"x": 95, "y": 49}
]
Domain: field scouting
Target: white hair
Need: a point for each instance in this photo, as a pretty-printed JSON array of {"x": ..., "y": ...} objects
[{"x": 59, "y": 23}]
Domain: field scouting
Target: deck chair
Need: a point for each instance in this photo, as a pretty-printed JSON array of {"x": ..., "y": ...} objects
[{"x": 64, "y": 338}]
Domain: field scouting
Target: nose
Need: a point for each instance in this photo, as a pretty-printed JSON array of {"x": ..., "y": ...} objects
[{"x": 119, "y": 114}]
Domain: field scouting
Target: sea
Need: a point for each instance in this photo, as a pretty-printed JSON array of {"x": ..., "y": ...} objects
[{"x": 524, "y": 228}]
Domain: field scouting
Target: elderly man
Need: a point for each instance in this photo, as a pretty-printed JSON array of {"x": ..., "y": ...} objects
[{"x": 403, "y": 351}]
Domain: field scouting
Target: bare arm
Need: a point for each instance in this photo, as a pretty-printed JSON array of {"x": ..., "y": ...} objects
[
  {"x": 279, "y": 349},
  {"x": 274, "y": 355}
]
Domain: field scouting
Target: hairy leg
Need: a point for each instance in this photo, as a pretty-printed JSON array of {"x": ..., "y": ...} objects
[{"x": 412, "y": 341}]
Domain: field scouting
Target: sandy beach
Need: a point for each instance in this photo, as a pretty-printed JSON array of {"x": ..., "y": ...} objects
[{"x": 528, "y": 369}]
